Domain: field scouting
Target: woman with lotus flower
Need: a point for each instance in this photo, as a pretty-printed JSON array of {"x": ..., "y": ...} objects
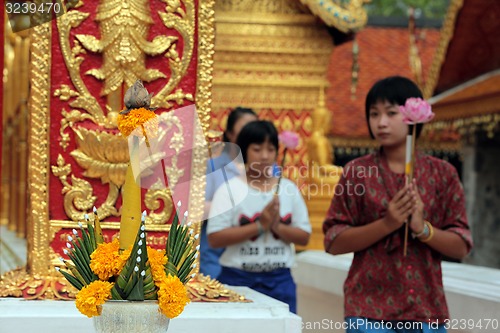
[{"x": 395, "y": 278}]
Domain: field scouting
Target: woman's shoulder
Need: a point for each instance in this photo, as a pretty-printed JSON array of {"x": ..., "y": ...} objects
[
  {"x": 442, "y": 169},
  {"x": 438, "y": 164}
]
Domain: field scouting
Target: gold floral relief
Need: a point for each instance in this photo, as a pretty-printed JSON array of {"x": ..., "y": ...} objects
[
  {"x": 123, "y": 44},
  {"x": 124, "y": 26},
  {"x": 260, "y": 6},
  {"x": 78, "y": 198},
  {"x": 153, "y": 200},
  {"x": 105, "y": 156}
]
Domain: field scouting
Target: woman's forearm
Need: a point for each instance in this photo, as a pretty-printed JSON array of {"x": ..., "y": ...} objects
[
  {"x": 359, "y": 238},
  {"x": 448, "y": 243},
  {"x": 290, "y": 234},
  {"x": 233, "y": 235}
]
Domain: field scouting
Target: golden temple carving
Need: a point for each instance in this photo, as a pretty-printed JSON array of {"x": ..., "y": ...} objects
[
  {"x": 105, "y": 156},
  {"x": 260, "y": 6},
  {"x": 53, "y": 286},
  {"x": 346, "y": 16},
  {"x": 77, "y": 194},
  {"x": 124, "y": 27},
  {"x": 321, "y": 167},
  {"x": 203, "y": 288},
  {"x": 268, "y": 58},
  {"x": 39, "y": 105},
  {"x": 124, "y": 50}
]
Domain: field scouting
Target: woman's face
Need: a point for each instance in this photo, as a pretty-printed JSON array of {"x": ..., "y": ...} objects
[
  {"x": 261, "y": 157},
  {"x": 238, "y": 125},
  {"x": 386, "y": 124}
]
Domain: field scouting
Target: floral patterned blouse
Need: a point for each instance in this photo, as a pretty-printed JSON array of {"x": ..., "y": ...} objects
[{"x": 382, "y": 284}]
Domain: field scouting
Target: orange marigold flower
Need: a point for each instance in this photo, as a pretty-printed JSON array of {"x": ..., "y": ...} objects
[
  {"x": 157, "y": 261},
  {"x": 90, "y": 299},
  {"x": 106, "y": 261},
  {"x": 172, "y": 296},
  {"x": 134, "y": 121}
]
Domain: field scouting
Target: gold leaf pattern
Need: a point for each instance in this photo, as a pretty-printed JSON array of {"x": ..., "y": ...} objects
[
  {"x": 152, "y": 202},
  {"x": 102, "y": 155}
]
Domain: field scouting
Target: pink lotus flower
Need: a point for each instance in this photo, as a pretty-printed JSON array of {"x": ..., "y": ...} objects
[
  {"x": 416, "y": 111},
  {"x": 289, "y": 139}
]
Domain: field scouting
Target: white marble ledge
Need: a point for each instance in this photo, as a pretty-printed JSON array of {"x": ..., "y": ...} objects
[
  {"x": 263, "y": 315},
  {"x": 319, "y": 270}
]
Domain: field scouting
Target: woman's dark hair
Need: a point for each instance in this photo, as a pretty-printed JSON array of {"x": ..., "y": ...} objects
[
  {"x": 395, "y": 90},
  {"x": 233, "y": 118},
  {"x": 257, "y": 132}
]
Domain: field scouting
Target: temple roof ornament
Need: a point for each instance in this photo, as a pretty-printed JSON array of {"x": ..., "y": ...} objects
[{"x": 345, "y": 15}]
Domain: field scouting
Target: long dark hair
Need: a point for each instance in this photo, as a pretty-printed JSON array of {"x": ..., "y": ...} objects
[
  {"x": 395, "y": 90},
  {"x": 233, "y": 117},
  {"x": 257, "y": 132}
]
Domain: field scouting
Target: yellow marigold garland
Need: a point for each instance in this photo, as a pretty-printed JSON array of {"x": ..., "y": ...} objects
[
  {"x": 172, "y": 296},
  {"x": 106, "y": 261},
  {"x": 132, "y": 122},
  {"x": 91, "y": 297}
]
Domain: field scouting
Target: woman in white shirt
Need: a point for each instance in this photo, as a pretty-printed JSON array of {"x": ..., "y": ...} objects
[{"x": 259, "y": 231}]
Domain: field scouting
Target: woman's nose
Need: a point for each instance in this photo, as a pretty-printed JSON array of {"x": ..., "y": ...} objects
[{"x": 383, "y": 121}]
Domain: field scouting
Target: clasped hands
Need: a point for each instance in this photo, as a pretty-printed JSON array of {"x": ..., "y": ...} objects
[
  {"x": 270, "y": 217},
  {"x": 407, "y": 202}
]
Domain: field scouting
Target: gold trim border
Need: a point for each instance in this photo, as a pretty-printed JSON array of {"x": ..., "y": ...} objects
[
  {"x": 206, "y": 44},
  {"x": 38, "y": 140},
  {"x": 206, "y": 50},
  {"x": 66, "y": 224},
  {"x": 447, "y": 32}
]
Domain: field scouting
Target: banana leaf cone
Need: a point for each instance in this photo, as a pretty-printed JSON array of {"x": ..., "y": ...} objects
[{"x": 130, "y": 283}]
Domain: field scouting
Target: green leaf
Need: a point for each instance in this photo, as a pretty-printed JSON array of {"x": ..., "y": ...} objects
[
  {"x": 180, "y": 251},
  {"x": 93, "y": 244},
  {"x": 71, "y": 279},
  {"x": 127, "y": 283},
  {"x": 186, "y": 268},
  {"x": 86, "y": 240},
  {"x": 115, "y": 294},
  {"x": 75, "y": 272},
  {"x": 81, "y": 267},
  {"x": 137, "y": 292}
]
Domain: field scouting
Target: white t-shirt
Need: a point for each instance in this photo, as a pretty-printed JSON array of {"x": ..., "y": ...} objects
[{"x": 267, "y": 252}]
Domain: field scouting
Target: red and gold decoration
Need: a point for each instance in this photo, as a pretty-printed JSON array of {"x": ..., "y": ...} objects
[{"x": 82, "y": 64}]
